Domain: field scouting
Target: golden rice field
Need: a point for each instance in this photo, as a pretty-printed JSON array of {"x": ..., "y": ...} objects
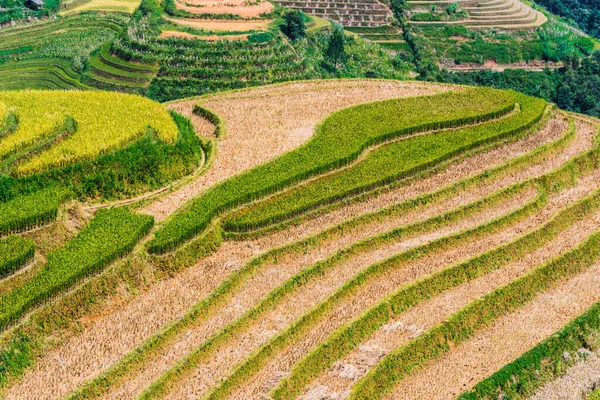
[
  {"x": 83, "y": 125},
  {"x": 347, "y": 239}
]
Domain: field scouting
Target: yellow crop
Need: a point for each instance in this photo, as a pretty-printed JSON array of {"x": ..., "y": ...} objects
[{"x": 104, "y": 122}]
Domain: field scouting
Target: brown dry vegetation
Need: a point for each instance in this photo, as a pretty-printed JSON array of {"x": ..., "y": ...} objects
[
  {"x": 507, "y": 339},
  {"x": 426, "y": 315},
  {"x": 209, "y": 38}
]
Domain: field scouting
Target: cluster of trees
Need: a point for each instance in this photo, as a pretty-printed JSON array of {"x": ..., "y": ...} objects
[
  {"x": 574, "y": 88},
  {"x": 294, "y": 28},
  {"x": 585, "y": 13}
]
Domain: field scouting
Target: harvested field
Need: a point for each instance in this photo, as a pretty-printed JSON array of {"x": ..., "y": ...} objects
[
  {"x": 444, "y": 274},
  {"x": 506, "y": 339},
  {"x": 579, "y": 380},
  {"x": 292, "y": 111}
]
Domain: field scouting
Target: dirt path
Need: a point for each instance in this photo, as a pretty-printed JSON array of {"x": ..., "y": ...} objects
[
  {"x": 209, "y": 38},
  {"x": 307, "y": 296},
  {"x": 507, "y": 339},
  {"x": 376, "y": 289},
  {"x": 263, "y": 124},
  {"x": 399, "y": 331}
]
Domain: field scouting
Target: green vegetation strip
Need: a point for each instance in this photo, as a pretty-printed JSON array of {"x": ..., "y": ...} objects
[
  {"x": 531, "y": 158},
  {"x": 595, "y": 395},
  {"x": 15, "y": 251},
  {"x": 260, "y": 358},
  {"x": 163, "y": 385},
  {"x": 348, "y": 337},
  {"x": 110, "y": 235},
  {"x": 521, "y": 378},
  {"x": 476, "y": 316},
  {"x": 356, "y": 128},
  {"x": 30, "y": 210},
  {"x": 386, "y": 165}
]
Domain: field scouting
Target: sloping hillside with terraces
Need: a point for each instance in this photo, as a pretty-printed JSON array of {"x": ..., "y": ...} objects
[
  {"x": 373, "y": 240},
  {"x": 477, "y": 14},
  {"x": 362, "y": 13}
]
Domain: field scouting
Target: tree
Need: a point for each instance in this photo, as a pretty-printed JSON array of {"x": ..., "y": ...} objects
[
  {"x": 294, "y": 26},
  {"x": 565, "y": 98},
  {"x": 336, "y": 52}
]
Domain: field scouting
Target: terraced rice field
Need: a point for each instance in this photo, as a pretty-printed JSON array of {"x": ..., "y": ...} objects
[
  {"x": 370, "y": 239},
  {"x": 508, "y": 14},
  {"x": 109, "y": 72},
  {"x": 78, "y": 6},
  {"x": 349, "y": 13},
  {"x": 239, "y": 8},
  {"x": 388, "y": 37}
]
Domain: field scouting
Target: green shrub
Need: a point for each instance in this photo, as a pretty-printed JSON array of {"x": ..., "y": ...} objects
[{"x": 15, "y": 251}]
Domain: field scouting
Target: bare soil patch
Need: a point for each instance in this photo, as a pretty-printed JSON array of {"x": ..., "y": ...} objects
[{"x": 208, "y": 38}]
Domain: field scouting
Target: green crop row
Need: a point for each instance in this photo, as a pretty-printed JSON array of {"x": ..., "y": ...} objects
[
  {"x": 164, "y": 384},
  {"x": 107, "y": 71},
  {"x": 110, "y": 235},
  {"x": 15, "y": 251},
  {"x": 476, "y": 316},
  {"x": 31, "y": 210},
  {"x": 530, "y": 158},
  {"x": 253, "y": 364},
  {"x": 34, "y": 34},
  {"x": 213, "y": 118},
  {"x": 384, "y": 165},
  {"x": 107, "y": 58},
  {"x": 39, "y": 73},
  {"x": 208, "y": 306},
  {"x": 351, "y": 335},
  {"x": 356, "y": 128},
  {"x": 546, "y": 361}
]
